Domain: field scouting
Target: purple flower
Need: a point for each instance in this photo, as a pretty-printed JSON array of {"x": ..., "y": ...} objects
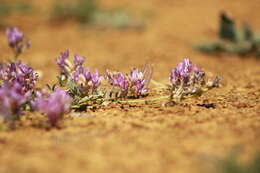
[
  {"x": 87, "y": 74},
  {"x": 54, "y": 105},
  {"x": 139, "y": 87},
  {"x": 95, "y": 80},
  {"x": 21, "y": 73},
  {"x": 78, "y": 60},
  {"x": 15, "y": 40},
  {"x": 14, "y": 36},
  {"x": 181, "y": 73},
  {"x": 198, "y": 75},
  {"x": 184, "y": 68},
  {"x": 187, "y": 65},
  {"x": 62, "y": 61},
  {"x": 119, "y": 80},
  {"x": 187, "y": 80},
  {"x": 77, "y": 77},
  {"x": 195, "y": 69},
  {"x": 174, "y": 76},
  {"x": 138, "y": 82},
  {"x": 12, "y": 99},
  {"x": 122, "y": 82},
  {"x": 78, "y": 72},
  {"x": 135, "y": 84},
  {"x": 134, "y": 75}
]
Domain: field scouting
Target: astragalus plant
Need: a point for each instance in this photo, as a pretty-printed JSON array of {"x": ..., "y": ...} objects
[
  {"x": 132, "y": 85},
  {"x": 53, "y": 105},
  {"x": 17, "y": 80},
  {"x": 17, "y": 72},
  {"x": 16, "y": 41},
  {"x": 187, "y": 80},
  {"x": 12, "y": 100},
  {"x": 80, "y": 83}
]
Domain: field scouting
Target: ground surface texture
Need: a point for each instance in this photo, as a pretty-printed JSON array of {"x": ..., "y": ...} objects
[{"x": 142, "y": 137}]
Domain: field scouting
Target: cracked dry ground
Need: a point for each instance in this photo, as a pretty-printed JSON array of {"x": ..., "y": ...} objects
[{"x": 143, "y": 137}]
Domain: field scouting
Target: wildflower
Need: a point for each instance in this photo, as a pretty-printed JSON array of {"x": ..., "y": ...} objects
[
  {"x": 87, "y": 74},
  {"x": 12, "y": 100},
  {"x": 54, "y": 105},
  {"x": 86, "y": 81},
  {"x": 15, "y": 40},
  {"x": 181, "y": 73},
  {"x": 95, "y": 80},
  {"x": 77, "y": 76},
  {"x": 15, "y": 37},
  {"x": 187, "y": 80},
  {"x": 119, "y": 80},
  {"x": 122, "y": 82},
  {"x": 195, "y": 69},
  {"x": 134, "y": 84},
  {"x": 78, "y": 71},
  {"x": 78, "y": 60},
  {"x": 137, "y": 82},
  {"x": 63, "y": 62},
  {"x": 20, "y": 73}
]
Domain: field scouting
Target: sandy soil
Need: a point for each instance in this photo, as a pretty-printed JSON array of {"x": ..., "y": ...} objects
[{"x": 141, "y": 137}]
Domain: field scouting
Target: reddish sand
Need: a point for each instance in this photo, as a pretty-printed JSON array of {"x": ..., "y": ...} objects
[{"x": 141, "y": 137}]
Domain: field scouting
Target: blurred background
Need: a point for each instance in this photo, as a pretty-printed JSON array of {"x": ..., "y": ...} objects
[{"x": 120, "y": 34}]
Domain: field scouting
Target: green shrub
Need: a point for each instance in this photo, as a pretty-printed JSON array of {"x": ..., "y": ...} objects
[
  {"x": 82, "y": 10},
  {"x": 88, "y": 11},
  {"x": 231, "y": 165},
  {"x": 8, "y": 8},
  {"x": 232, "y": 39}
]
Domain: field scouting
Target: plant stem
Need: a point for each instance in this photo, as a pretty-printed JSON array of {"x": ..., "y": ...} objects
[{"x": 143, "y": 100}]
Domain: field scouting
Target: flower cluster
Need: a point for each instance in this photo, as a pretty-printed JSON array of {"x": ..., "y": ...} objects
[
  {"x": 187, "y": 80},
  {"x": 134, "y": 84},
  {"x": 83, "y": 87},
  {"x": 117, "y": 79},
  {"x": 12, "y": 100},
  {"x": 138, "y": 82},
  {"x": 16, "y": 40},
  {"x": 16, "y": 72},
  {"x": 77, "y": 75},
  {"x": 54, "y": 105}
]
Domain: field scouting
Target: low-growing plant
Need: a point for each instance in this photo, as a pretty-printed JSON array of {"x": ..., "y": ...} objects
[
  {"x": 54, "y": 105},
  {"x": 88, "y": 11},
  {"x": 117, "y": 18},
  {"x": 81, "y": 10},
  {"x": 12, "y": 100},
  {"x": 78, "y": 87},
  {"x": 16, "y": 41},
  {"x": 17, "y": 80},
  {"x": 80, "y": 83},
  {"x": 8, "y": 8},
  {"x": 231, "y": 39},
  {"x": 187, "y": 80},
  {"x": 231, "y": 165},
  {"x": 133, "y": 85},
  {"x": 85, "y": 87},
  {"x": 17, "y": 85},
  {"x": 16, "y": 72}
]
